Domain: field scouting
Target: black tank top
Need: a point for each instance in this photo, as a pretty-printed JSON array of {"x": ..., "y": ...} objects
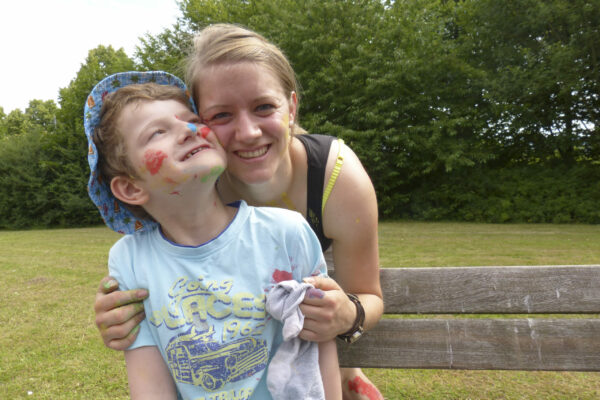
[{"x": 317, "y": 152}]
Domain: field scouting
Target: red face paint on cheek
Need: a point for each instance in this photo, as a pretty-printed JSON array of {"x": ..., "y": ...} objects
[{"x": 153, "y": 160}]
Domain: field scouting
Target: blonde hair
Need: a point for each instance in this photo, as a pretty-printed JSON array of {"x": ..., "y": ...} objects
[
  {"x": 230, "y": 44},
  {"x": 113, "y": 158}
]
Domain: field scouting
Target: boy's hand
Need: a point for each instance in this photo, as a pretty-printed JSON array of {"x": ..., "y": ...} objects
[{"x": 118, "y": 314}]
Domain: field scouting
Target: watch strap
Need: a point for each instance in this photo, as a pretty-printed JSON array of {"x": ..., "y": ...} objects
[{"x": 356, "y": 331}]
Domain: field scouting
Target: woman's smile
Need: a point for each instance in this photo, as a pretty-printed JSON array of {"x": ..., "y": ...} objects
[{"x": 250, "y": 154}]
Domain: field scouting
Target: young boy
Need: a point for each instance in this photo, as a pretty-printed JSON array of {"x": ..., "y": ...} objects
[{"x": 206, "y": 265}]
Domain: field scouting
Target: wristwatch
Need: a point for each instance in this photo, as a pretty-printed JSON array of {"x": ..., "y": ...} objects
[{"x": 357, "y": 329}]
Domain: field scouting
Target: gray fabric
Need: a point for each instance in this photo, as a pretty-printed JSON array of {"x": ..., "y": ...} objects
[{"x": 293, "y": 373}]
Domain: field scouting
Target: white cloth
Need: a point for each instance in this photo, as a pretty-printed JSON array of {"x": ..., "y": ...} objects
[{"x": 293, "y": 372}]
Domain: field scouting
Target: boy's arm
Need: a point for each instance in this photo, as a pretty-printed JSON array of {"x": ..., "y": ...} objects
[
  {"x": 330, "y": 370},
  {"x": 148, "y": 375}
]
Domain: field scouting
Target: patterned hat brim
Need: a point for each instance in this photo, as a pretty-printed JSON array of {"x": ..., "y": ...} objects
[{"x": 114, "y": 213}]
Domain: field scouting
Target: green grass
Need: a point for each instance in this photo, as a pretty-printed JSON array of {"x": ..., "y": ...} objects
[
  {"x": 423, "y": 244},
  {"x": 49, "y": 345}
]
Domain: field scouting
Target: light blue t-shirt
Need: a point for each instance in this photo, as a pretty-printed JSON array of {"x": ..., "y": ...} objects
[{"x": 206, "y": 309}]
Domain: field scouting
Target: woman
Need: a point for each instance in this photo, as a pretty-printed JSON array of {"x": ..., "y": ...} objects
[{"x": 245, "y": 90}]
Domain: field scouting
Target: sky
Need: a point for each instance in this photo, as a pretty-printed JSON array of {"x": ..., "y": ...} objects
[{"x": 44, "y": 42}]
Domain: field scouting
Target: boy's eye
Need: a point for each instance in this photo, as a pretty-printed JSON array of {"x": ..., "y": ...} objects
[{"x": 157, "y": 133}]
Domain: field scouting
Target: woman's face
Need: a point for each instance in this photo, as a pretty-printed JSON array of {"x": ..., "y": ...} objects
[{"x": 246, "y": 107}]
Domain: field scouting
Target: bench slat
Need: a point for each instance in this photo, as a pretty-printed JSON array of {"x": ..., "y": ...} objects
[
  {"x": 492, "y": 290},
  {"x": 469, "y": 343}
]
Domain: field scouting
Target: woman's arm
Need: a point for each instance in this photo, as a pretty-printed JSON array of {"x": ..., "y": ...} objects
[
  {"x": 118, "y": 313},
  {"x": 350, "y": 220},
  {"x": 148, "y": 375}
]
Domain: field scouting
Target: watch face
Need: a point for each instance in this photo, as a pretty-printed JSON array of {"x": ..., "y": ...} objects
[{"x": 355, "y": 336}]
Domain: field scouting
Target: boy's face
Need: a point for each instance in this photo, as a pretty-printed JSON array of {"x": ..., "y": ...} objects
[{"x": 168, "y": 147}]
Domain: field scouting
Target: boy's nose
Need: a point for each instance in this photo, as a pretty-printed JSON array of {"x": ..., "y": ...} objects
[
  {"x": 193, "y": 129},
  {"x": 187, "y": 130}
]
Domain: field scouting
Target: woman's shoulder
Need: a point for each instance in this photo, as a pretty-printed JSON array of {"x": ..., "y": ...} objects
[{"x": 352, "y": 196}]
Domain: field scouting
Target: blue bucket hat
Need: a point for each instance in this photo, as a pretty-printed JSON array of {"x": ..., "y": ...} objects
[{"x": 114, "y": 212}]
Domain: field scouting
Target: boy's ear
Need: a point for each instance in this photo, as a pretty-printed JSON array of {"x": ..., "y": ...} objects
[{"x": 126, "y": 190}]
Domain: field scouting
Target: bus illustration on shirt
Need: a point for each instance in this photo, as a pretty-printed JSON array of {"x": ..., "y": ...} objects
[{"x": 195, "y": 358}]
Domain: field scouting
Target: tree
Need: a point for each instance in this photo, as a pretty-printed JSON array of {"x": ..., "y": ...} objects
[
  {"x": 100, "y": 63},
  {"x": 64, "y": 159},
  {"x": 382, "y": 74},
  {"x": 15, "y": 123},
  {"x": 42, "y": 114},
  {"x": 164, "y": 52},
  {"x": 540, "y": 60},
  {"x": 22, "y": 185},
  {"x": 443, "y": 101},
  {"x": 2, "y": 123}
]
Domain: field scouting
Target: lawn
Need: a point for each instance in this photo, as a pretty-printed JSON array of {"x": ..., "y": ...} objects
[{"x": 50, "y": 348}]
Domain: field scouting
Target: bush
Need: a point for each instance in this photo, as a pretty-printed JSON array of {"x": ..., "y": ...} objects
[{"x": 531, "y": 193}]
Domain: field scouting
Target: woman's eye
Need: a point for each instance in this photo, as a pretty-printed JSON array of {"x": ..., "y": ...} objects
[
  {"x": 265, "y": 107},
  {"x": 218, "y": 118},
  {"x": 220, "y": 115}
]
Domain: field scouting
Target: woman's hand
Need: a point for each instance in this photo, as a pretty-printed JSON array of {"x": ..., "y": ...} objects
[
  {"x": 118, "y": 314},
  {"x": 327, "y": 310}
]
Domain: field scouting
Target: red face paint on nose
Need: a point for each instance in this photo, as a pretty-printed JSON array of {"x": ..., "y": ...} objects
[
  {"x": 205, "y": 130},
  {"x": 153, "y": 160}
]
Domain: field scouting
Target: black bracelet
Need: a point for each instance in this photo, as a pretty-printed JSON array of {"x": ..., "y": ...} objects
[{"x": 357, "y": 328}]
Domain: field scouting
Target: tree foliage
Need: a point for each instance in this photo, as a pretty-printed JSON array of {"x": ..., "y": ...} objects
[
  {"x": 483, "y": 110},
  {"x": 43, "y": 165}
]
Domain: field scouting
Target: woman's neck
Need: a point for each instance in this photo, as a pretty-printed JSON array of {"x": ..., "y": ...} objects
[{"x": 266, "y": 193}]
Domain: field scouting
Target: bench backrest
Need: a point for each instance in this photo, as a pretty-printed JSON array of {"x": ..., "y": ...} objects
[{"x": 462, "y": 334}]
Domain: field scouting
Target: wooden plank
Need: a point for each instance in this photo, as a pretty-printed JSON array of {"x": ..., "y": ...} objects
[
  {"x": 492, "y": 290},
  {"x": 468, "y": 343}
]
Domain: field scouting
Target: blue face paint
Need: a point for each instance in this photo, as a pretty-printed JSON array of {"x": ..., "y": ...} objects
[{"x": 192, "y": 127}]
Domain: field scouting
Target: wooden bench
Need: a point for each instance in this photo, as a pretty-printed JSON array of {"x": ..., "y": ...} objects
[{"x": 461, "y": 339}]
